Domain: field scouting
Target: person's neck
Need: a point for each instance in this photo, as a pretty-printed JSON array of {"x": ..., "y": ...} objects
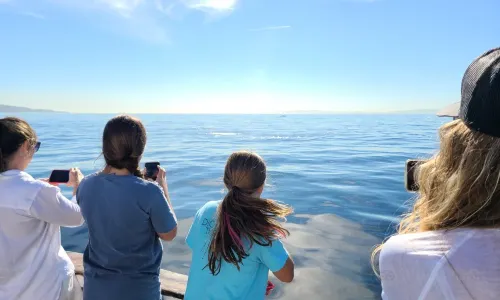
[
  {"x": 13, "y": 169},
  {"x": 15, "y": 166},
  {"x": 119, "y": 172},
  {"x": 257, "y": 194}
]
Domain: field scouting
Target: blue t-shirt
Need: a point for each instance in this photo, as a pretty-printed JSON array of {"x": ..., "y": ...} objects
[
  {"x": 123, "y": 214},
  {"x": 249, "y": 283}
]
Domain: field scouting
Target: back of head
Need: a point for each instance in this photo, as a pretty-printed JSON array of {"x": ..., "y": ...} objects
[
  {"x": 245, "y": 171},
  {"x": 123, "y": 143},
  {"x": 460, "y": 185},
  {"x": 14, "y": 132},
  {"x": 243, "y": 218}
]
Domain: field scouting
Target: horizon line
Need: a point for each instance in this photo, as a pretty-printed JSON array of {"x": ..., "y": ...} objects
[{"x": 424, "y": 112}]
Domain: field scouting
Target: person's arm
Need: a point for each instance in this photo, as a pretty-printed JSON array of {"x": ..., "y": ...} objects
[
  {"x": 161, "y": 212},
  {"x": 51, "y": 206},
  {"x": 162, "y": 216},
  {"x": 277, "y": 259},
  {"x": 286, "y": 273}
]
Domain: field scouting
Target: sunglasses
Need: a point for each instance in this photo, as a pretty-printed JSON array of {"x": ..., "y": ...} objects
[{"x": 37, "y": 146}]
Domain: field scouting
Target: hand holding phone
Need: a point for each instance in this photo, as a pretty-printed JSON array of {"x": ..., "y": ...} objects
[
  {"x": 151, "y": 170},
  {"x": 71, "y": 178},
  {"x": 411, "y": 168},
  {"x": 59, "y": 176},
  {"x": 75, "y": 177}
]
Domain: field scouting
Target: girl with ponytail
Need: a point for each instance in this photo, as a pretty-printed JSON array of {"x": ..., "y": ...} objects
[
  {"x": 127, "y": 216},
  {"x": 236, "y": 241}
]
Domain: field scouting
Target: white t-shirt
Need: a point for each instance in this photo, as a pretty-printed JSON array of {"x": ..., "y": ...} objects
[
  {"x": 33, "y": 265},
  {"x": 414, "y": 266}
]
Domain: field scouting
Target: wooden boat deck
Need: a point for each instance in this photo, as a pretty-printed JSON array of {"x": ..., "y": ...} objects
[{"x": 172, "y": 284}]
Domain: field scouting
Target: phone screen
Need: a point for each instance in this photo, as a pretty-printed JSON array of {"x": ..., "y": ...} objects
[
  {"x": 59, "y": 176},
  {"x": 411, "y": 166},
  {"x": 151, "y": 169}
]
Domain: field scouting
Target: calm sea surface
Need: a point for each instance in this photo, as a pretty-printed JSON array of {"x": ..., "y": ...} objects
[{"x": 343, "y": 174}]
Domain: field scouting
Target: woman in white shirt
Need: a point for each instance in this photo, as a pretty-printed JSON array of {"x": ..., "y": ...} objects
[
  {"x": 33, "y": 265},
  {"x": 448, "y": 246}
]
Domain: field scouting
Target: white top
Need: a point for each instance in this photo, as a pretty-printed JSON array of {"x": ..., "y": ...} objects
[
  {"x": 33, "y": 264},
  {"x": 414, "y": 266}
]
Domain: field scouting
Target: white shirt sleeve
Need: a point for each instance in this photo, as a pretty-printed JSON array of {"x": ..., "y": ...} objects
[{"x": 51, "y": 206}]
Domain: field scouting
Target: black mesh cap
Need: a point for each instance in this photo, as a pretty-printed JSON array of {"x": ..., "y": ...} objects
[{"x": 480, "y": 103}]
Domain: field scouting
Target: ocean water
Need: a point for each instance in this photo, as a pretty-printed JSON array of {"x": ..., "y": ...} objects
[{"x": 343, "y": 174}]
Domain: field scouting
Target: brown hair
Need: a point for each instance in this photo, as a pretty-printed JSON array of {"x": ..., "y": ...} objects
[
  {"x": 13, "y": 133},
  {"x": 242, "y": 216},
  {"x": 459, "y": 186},
  {"x": 123, "y": 143}
]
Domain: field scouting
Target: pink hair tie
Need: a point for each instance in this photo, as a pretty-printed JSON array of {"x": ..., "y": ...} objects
[{"x": 236, "y": 239}]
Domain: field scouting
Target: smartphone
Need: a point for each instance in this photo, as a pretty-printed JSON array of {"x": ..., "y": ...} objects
[
  {"x": 410, "y": 170},
  {"x": 59, "y": 176},
  {"x": 151, "y": 169}
]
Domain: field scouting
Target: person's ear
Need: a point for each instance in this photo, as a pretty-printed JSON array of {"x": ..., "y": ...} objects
[
  {"x": 261, "y": 189},
  {"x": 25, "y": 148}
]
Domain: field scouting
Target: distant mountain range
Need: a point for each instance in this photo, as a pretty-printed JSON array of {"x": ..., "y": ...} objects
[
  {"x": 403, "y": 112},
  {"x": 17, "y": 109}
]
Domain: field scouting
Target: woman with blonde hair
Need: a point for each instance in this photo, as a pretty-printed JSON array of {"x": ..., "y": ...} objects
[{"x": 448, "y": 245}]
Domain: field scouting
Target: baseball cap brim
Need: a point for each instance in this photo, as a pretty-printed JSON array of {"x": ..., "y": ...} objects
[{"x": 450, "y": 110}]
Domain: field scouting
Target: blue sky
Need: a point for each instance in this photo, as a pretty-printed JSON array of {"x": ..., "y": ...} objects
[{"x": 240, "y": 56}]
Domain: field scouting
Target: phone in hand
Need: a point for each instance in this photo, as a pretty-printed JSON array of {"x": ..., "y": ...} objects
[
  {"x": 59, "y": 176},
  {"x": 410, "y": 170},
  {"x": 151, "y": 169}
]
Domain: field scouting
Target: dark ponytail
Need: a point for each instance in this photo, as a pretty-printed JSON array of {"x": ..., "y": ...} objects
[
  {"x": 13, "y": 133},
  {"x": 133, "y": 168},
  {"x": 123, "y": 143},
  {"x": 243, "y": 218}
]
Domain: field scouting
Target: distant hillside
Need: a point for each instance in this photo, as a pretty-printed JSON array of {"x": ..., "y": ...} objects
[
  {"x": 415, "y": 111},
  {"x": 312, "y": 112},
  {"x": 17, "y": 109}
]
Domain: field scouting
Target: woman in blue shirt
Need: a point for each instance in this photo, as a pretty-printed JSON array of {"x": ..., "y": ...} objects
[
  {"x": 126, "y": 217},
  {"x": 236, "y": 241}
]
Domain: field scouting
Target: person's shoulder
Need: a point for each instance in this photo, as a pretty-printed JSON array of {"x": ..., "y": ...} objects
[
  {"x": 396, "y": 244},
  {"x": 413, "y": 244},
  {"x": 26, "y": 178},
  {"x": 91, "y": 178},
  {"x": 36, "y": 184},
  {"x": 151, "y": 186},
  {"x": 90, "y": 182},
  {"x": 209, "y": 208}
]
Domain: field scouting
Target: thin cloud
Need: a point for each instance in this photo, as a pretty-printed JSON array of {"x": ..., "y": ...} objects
[
  {"x": 129, "y": 7},
  {"x": 217, "y": 5},
  {"x": 145, "y": 19},
  {"x": 269, "y": 28},
  {"x": 124, "y": 7},
  {"x": 167, "y": 6},
  {"x": 33, "y": 15}
]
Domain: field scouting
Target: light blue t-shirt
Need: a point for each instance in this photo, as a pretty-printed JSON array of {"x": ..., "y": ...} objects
[
  {"x": 249, "y": 283},
  {"x": 124, "y": 214}
]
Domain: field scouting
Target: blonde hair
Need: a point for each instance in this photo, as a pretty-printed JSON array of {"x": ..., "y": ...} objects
[{"x": 458, "y": 187}]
